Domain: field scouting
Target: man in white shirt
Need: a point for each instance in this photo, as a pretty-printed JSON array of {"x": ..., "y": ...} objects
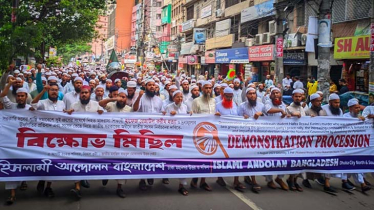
[
  {"x": 195, "y": 93},
  {"x": 354, "y": 112},
  {"x": 237, "y": 92},
  {"x": 205, "y": 104},
  {"x": 84, "y": 104},
  {"x": 20, "y": 98},
  {"x": 369, "y": 110},
  {"x": 251, "y": 108},
  {"x": 98, "y": 93},
  {"x": 131, "y": 93},
  {"x": 73, "y": 96},
  {"x": 148, "y": 103},
  {"x": 298, "y": 84},
  {"x": 333, "y": 108},
  {"x": 50, "y": 104},
  {"x": 286, "y": 82},
  {"x": 276, "y": 108},
  {"x": 268, "y": 82},
  {"x": 169, "y": 99}
]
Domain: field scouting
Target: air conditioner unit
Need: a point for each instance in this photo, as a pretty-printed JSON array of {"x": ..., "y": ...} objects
[
  {"x": 219, "y": 13},
  {"x": 272, "y": 27},
  {"x": 259, "y": 39},
  {"x": 295, "y": 39},
  {"x": 266, "y": 38},
  {"x": 303, "y": 39},
  {"x": 250, "y": 42},
  {"x": 243, "y": 39}
]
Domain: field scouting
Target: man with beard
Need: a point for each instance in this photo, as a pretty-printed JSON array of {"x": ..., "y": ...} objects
[
  {"x": 21, "y": 97},
  {"x": 84, "y": 104},
  {"x": 222, "y": 88},
  {"x": 116, "y": 104},
  {"x": 354, "y": 112},
  {"x": 255, "y": 109},
  {"x": 276, "y": 108},
  {"x": 118, "y": 83},
  {"x": 64, "y": 80},
  {"x": 16, "y": 83},
  {"x": 296, "y": 109},
  {"x": 333, "y": 107},
  {"x": 195, "y": 93},
  {"x": 237, "y": 92},
  {"x": 185, "y": 90},
  {"x": 205, "y": 104},
  {"x": 131, "y": 92},
  {"x": 148, "y": 103},
  {"x": 260, "y": 91},
  {"x": 165, "y": 91},
  {"x": 169, "y": 99},
  {"x": 98, "y": 94},
  {"x": 108, "y": 84},
  {"x": 228, "y": 107},
  {"x": 103, "y": 79},
  {"x": 217, "y": 90},
  {"x": 92, "y": 84},
  {"x": 73, "y": 96},
  {"x": 70, "y": 86},
  {"x": 50, "y": 104}
]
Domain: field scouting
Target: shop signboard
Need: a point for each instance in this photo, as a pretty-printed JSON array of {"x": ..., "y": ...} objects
[
  {"x": 183, "y": 59},
  {"x": 186, "y": 48},
  {"x": 258, "y": 11},
  {"x": 206, "y": 11},
  {"x": 236, "y": 55},
  {"x": 192, "y": 60},
  {"x": 188, "y": 25},
  {"x": 261, "y": 53},
  {"x": 210, "y": 56},
  {"x": 199, "y": 35},
  {"x": 294, "y": 58},
  {"x": 357, "y": 47}
]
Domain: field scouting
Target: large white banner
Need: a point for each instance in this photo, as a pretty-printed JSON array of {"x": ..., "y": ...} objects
[{"x": 41, "y": 145}]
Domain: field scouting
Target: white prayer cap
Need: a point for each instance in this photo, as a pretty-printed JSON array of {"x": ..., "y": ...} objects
[
  {"x": 78, "y": 79},
  {"x": 21, "y": 90},
  {"x": 224, "y": 85},
  {"x": 54, "y": 74},
  {"x": 48, "y": 73},
  {"x": 193, "y": 80},
  {"x": 16, "y": 71},
  {"x": 352, "y": 102},
  {"x": 116, "y": 80},
  {"x": 150, "y": 80},
  {"x": 206, "y": 83},
  {"x": 236, "y": 80},
  {"x": 158, "y": 85},
  {"x": 333, "y": 97},
  {"x": 173, "y": 87},
  {"x": 320, "y": 92},
  {"x": 217, "y": 85},
  {"x": 108, "y": 80},
  {"x": 99, "y": 86},
  {"x": 194, "y": 86},
  {"x": 20, "y": 74},
  {"x": 92, "y": 73},
  {"x": 272, "y": 86},
  {"x": 44, "y": 79},
  {"x": 228, "y": 90},
  {"x": 249, "y": 89},
  {"x": 200, "y": 81},
  {"x": 185, "y": 81},
  {"x": 19, "y": 79},
  {"x": 167, "y": 82},
  {"x": 131, "y": 84},
  {"x": 52, "y": 78},
  {"x": 274, "y": 89},
  {"x": 74, "y": 75},
  {"x": 298, "y": 91},
  {"x": 102, "y": 75},
  {"x": 314, "y": 96},
  {"x": 175, "y": 92},
  {"x": 121, "y": 90}
]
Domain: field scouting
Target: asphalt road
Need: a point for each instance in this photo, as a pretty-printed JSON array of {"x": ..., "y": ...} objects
[{"x": 165, "y": 197}]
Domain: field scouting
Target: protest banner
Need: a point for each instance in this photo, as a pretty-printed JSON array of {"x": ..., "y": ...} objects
[{"x": 42, "y": 145}]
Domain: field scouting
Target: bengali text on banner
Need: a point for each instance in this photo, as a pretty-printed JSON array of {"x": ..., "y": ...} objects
[{"x": 42, "y": 145}]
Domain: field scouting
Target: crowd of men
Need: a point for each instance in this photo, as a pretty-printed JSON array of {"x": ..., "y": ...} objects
[{"x": 85, "y": 89}]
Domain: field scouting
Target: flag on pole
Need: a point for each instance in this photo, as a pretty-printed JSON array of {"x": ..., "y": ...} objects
[{"x": 113, "y": 58}]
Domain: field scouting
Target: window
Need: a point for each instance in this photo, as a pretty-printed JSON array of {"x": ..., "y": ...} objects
[
  {"x": 197, "y": 12},
  {"x": 190, "y": 13},
  {"x": 347, "y": 10},
  {"x": 158, "y": 4},
  {"x": 158, "y": 28},
  {"x": 229, "y": 3},
  {"x": 158, "y": 16},
  {"x": 218, "y": 4},
  {"x": 300, "y": 11}
]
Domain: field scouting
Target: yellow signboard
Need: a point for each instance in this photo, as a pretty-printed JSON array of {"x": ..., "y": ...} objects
[{"x": 357, "y": 47}]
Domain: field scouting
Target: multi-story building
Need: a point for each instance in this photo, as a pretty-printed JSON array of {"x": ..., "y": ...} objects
[
  {"x": 166, "y": 29},
  {"x": 97, "y": 45}
]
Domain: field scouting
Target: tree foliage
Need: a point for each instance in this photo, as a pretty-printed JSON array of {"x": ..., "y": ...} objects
[
  {"x": 44, "y": 23},
  {"x": 68, "y": 51}
]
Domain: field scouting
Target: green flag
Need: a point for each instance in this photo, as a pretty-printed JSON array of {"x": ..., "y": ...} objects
[{"x": 113, "y": 57}]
